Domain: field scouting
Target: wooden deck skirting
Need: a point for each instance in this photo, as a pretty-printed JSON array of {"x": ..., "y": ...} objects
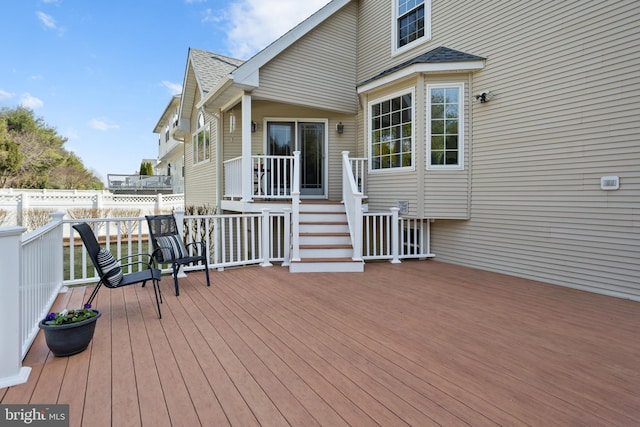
[{"x": 418, "y": 343}]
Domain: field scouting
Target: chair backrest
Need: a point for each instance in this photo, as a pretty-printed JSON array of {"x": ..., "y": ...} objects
[
  {"x": 90, "y": 243},
  {"x": 162, "y": 226},
  {"x": 109, "y": 269}
]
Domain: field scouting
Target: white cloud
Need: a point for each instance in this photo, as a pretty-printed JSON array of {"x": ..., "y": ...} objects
[
  {"x": 254, "y": 24},
  {"x": 174, "y": 88},
  {"x": 6, "y": 95},
  {"x": 29, "y": 101},
  {"x": 47, "y": 20},
  {"x": 102, "y": 125}
]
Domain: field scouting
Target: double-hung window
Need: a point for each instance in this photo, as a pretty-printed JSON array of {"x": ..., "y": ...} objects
[
  {"x": 201, "y": 141},
  {"x": 391, "y": 143},
  {"x": 445, "y": 148},
  {"x": 412, "y": 22}
]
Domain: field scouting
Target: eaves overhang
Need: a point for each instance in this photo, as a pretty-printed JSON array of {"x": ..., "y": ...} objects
[{"x": 439, "y": 60}]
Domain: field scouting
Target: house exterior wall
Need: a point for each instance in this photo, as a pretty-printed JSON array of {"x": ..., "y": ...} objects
[
  {"x": 326, "y": 76},
  {"x": 200, "y": 178},
  {"x": 564, "y": 114}
]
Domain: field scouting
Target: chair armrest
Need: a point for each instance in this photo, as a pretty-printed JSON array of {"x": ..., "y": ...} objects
[
  {"x": 202, "y": 247},
  {"x": 148, "y": 263}
]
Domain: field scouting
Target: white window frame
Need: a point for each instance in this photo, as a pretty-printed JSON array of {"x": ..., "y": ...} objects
[
  {"x": 461, "y": 106},
  {"x": 203, "y": 127},
  {"x": 395, "y": 49},
  {"x": 412, "y": 92}
]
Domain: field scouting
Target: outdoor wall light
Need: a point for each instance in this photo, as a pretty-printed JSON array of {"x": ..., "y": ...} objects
[
  {"x": 254, "y": 126},
  {"x": 340, "y": 128},
  {"x": 232, "y": 122},
  {"x": 484, "y": 96}
]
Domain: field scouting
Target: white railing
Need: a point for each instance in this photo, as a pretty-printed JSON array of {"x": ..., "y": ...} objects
[
  {"x": 359, "y": 169},
  {"x": 295, "y": 209},
  {"x": 233, "y": 178},
  {"x": 31, "y": 266},
  {"x": 232, "y": 240},
  {"x": 271, "y": 177},
  {"x": 386, "y": 235},
  {"x": 352, "y": 199}
]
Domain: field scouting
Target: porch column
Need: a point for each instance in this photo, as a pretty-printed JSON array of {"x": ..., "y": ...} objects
[
  {"x": 247, "y": 169},
  {"x": 11, "y": 370}
]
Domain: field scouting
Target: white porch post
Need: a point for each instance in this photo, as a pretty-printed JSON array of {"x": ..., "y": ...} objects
[
  {"x": 247, "y": 170},
  {"x": 179, "y": 216},
  {"x": 11, "y": 370},
  {"x": 287, "y": 237},
  {"x": 266, "y": 241},
  {"x": 395, "y": 236},
  {"x": 295, "y": 208}
]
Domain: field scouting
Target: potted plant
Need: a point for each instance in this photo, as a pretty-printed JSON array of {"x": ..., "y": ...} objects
[{"x": 69, "y": 331}]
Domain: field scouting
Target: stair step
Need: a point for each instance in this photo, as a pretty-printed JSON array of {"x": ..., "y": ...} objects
[
  {"x": 332, "y": 265},
  {"x": 327, "y": 246}
]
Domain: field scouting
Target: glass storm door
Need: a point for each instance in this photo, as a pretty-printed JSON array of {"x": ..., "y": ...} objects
[
  {"x": 311, "y": 141},
  {"x": 285, "y": 137}
]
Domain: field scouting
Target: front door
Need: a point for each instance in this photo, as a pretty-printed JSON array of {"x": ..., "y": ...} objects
[{"x": 283, "y": 138}]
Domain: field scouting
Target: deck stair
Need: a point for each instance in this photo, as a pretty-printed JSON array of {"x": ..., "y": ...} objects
[{"x": 325, "y": 242}]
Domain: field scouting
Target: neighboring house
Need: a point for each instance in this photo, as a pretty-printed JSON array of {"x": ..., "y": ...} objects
[
  {"x": 170, "y": 161},
  {"x": 513, "y": 128}
]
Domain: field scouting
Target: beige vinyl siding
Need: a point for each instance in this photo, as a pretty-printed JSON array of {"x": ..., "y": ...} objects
[
  {"x": 565, "y": 113},
  {"x": 318, "y": 69},
  {"x": 200, "y": 179}
]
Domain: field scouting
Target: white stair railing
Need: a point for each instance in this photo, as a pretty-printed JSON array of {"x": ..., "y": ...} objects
[
  {"x": 352, "y": 199},
  {"x": 295, "y": 209}
]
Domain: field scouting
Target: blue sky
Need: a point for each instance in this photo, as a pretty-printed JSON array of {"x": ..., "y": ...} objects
[{"x": 102, "y": 72}]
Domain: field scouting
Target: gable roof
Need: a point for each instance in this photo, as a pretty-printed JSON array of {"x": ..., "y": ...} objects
[
  {"x": 210, "y": 68},
  {"x": 439, "y": 59},
  {"x": 204, "y": 71},
  {"x": 246, "y": 76}
]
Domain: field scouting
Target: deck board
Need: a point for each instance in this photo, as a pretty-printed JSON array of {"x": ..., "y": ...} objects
[{"x": 417, "y": 343}]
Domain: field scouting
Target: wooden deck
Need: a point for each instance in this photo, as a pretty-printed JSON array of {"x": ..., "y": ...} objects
[{"x": 418, "y": 343}]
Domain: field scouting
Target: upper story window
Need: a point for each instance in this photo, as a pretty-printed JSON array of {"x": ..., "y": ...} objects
[
  {"x": 166, "y": 134},
  {"x": 201, "y": 141},
  {"x": 391, "y": 143},
  {"x": 444, "y": 126},
  {"x": 412, "y": 23}
]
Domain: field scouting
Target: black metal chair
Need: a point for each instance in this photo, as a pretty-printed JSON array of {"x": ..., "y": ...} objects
[
  {"x": 110, "y": 270},
  {"x": 169, "y": 247}
]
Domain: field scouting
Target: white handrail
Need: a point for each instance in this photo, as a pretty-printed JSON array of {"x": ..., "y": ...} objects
[
  {"x": 295, "y": 209},
  {"x": 352, "y": 199}
]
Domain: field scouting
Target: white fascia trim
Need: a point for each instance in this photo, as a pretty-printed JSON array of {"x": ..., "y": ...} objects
[
  {"x": 246, "y": 73},
  {"x": 422, "y": 68}
]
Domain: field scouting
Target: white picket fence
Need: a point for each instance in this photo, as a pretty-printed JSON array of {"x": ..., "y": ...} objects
[{"x": 18, "y": 207}]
